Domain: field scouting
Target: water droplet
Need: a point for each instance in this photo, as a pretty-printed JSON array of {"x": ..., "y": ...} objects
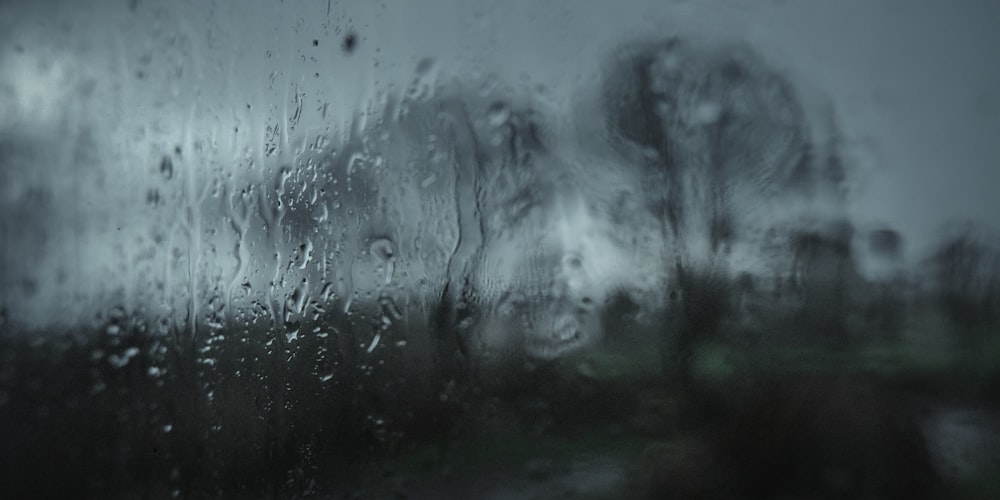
[
  {"x": 153, "y": 197},
  {"x": 355, "y": 162},
  {"x": 381, "y": 248},
  {"x": 307, "y": 251},
  {"x": 425, "y": 66},
  {"x": 389, "y": 308},
  {"x": 167, "y": 168},
  {"x": 349, "y": 43},
  {"x": 499, "y": 113},
  {"x": 374, "y": 344},
  {"x": 117, "y": 361},
  {"x": 327, "y": 292},
  {"x": 296, "y": 302}
]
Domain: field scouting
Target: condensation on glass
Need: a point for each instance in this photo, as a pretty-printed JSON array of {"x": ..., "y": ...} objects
[{"x": 464, "y": 250}]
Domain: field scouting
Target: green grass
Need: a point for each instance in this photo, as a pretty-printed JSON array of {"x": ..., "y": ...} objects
[
  {"x": 617, "y": 365},
  {"x": 937, "y": 370}
]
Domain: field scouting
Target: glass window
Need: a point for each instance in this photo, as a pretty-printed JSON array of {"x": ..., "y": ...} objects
[{"x": 480, "y": 249}]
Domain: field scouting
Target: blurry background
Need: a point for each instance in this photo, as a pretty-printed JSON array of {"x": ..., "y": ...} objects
[
  {"x": 181, "y": 244},
  {"x": 96, "y": 96}
]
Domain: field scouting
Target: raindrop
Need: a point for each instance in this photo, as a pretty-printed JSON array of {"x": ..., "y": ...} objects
[
  {"x": 374, "y": 344},
  {"x": 499, "y": 113},
  {"x": 425, "y": 66},
  {"x": 117, "y": 361},
  {"x": 296, "y": 301},
  {"x": 389, "y": 308},
  {"x": 327, "y": 292},
  {"x": 307, "y": 251},
  {"x": 350, "y": 42},
  {"x": 382, "y": 249},
  {"x": 167, "y": 168}
]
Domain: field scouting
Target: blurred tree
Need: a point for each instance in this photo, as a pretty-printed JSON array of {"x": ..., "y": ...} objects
[
  {"x": 967, "y": 277},
  {"x": 885, "y": 308},
  {"x": 825, "y": 276}
]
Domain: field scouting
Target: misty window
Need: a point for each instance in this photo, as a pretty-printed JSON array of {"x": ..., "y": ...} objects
[{"x": 497, "y": 250}]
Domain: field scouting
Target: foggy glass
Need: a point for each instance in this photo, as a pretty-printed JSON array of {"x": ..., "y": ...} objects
[{"x": 499, "y": 250}]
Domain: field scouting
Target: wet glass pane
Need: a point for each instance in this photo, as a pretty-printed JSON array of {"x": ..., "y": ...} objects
[{"x": 570, "y": 250}]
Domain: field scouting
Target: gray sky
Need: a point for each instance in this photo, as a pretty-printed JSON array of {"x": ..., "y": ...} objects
[{"x": 914, "y": 86}]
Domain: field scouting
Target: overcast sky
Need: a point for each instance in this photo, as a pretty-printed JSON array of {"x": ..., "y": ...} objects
[{"x": 914, "y": 86}]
